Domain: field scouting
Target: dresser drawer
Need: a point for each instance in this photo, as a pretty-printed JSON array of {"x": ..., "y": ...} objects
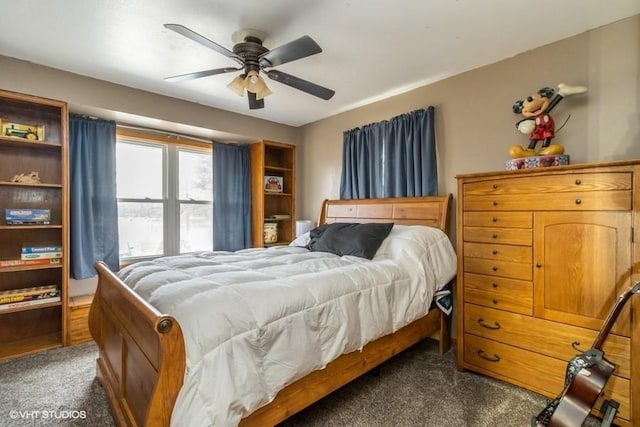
[
  {"x": 543, "y": 336},
  {"x": 540, "y": 373},
  {"x": 564, "y": 183},
  {"x": 513, "y": 270},
  {"x": 544, "y": 374},
  {"x": 497, "y": 292},
  {"x": 499, "y": 219},
  {"x": 509, "y": 236},
  {"x": 573, "y": 201},
  {"x": 498, "y": 252}
]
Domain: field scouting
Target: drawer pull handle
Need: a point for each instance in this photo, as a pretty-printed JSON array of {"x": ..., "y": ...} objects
[
  {"x": 495, "y": 203},
  {"x": 495, "y": 325},
  {"x": 538, "y": 265},
  {"x": 494, "y": 268},
  {"x": 576, "y": 346},
  {"x": 495, "y": 235},
  {"x": 495, "y": 285},
  {"x": 578, "y": 201},
  {"x": 494, "y": 219},
  {"x": 495, "y": 186},
  {"x": 495, "y": 252},
  {"x": 578, "y": 181},
  {"x": 495, "y": 301},
  {"x": 485, "y": 356}
]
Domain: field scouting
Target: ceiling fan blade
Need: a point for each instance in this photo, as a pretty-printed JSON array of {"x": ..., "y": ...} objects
[
  {"x": 180, "y": 29},
  {"x": 300, "y": 84},
  {"x": 254, "y": 104},
  {"x": 297, "y": 49},
  {"x": 199, "y": 74}
]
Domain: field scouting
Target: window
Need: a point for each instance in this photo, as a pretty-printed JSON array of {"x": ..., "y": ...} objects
[{"x": 165, "y": 196}]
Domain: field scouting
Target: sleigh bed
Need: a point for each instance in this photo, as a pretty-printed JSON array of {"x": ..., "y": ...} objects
[{"x": 143, "y": 360}]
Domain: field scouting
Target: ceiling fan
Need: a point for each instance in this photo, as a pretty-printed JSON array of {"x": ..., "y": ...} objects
[{"x": 253, "y": 57}]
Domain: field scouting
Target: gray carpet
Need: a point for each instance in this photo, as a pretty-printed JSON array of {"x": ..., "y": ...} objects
[{"x": 415, "y": 388}]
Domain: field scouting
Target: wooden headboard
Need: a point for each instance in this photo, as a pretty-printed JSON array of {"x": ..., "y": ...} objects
[{"x": 428, "y": 210}]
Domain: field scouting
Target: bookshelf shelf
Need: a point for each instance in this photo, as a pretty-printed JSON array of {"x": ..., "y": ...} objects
[
  {"x": 31, "y": 307},
  {"x": 23, "y": 184},
  {"x": 22, "y": 347},
  {"x": 30, "y": 328},
  {"x": 28, "y": 268},
  {"x": 20, "y": 142}
]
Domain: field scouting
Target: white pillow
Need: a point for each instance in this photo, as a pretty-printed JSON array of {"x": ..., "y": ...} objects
[
  {"x": 302, "y": 240},
  {"x": 420, "y": 243}
]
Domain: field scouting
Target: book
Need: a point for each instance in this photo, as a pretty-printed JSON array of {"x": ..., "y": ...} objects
[
  {"x": 27, "y": 291},
  {"x": 41, "y": 255},
  {"x": 27, "y": 262},
  {"x": 39, "y": 249},
  {"x": 31, "y": 303},
  {"x": 39, "y": 215},
  {"x": 27, "y": 222},
  {"x": 29, "y": 294}
]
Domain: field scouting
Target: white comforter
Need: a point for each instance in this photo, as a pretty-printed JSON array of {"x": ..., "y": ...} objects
[{"x": 258, "y": 319}]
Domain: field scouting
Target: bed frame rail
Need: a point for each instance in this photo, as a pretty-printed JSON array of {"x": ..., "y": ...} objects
[{"x": 141, "y": 361}]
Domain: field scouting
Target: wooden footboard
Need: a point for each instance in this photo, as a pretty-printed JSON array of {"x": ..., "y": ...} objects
[{"x": 142, "y": 360}]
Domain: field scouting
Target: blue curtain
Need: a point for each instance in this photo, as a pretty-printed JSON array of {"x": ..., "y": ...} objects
[
  {"x": 93, "y": 203},
  {"x": 394, "y": 158},
  {"x": 231, "y": 197}
]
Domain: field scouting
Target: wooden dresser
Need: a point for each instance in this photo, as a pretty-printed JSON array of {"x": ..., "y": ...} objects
[{"x": 543, "y": 255}]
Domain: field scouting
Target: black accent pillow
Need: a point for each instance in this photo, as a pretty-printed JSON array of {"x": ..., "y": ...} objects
[
  {"x": 315, "y": 234},
  {"x": 340, "y": 238}
]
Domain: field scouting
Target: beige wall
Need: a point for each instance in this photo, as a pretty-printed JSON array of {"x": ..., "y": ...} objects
[
  {"x": 475, "y": 124},
  {"x": 126, "y": 105}
]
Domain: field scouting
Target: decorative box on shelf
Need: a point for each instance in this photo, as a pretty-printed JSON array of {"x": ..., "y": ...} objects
[
  {"x": 273, "y": 184},
  {"x": 538, "y": 161},
  {"x": 270, "y": 232},
  {"x": 25, "y": 131}
]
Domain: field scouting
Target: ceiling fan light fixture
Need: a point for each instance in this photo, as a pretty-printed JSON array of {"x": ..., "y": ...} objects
[
  {"x": 254, "y": 83},
  {"x": 253, "y": 78},
  {"x": 263, "y": 93},
  {"x": 237, "y": 85}
]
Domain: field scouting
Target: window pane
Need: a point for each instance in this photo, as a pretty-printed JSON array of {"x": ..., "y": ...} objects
[
  {"x": 139, "y": 171},
  {"x": 196, "y": 225},
  {"x": 195, "y": 180},
  {"x": 140, "y": 229}
]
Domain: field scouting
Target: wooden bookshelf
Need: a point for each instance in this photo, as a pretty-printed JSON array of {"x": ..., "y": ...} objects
[
  {"x": 269, "y": 158},
  {"x": 33, "y": 328}
]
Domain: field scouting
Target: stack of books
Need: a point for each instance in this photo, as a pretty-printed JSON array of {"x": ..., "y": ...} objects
[
  {"x": 41, "y": 252},
  {"x": 27, "y": 216},
  {"x": 27, "y": 297},
  {"x": 45, "y": 255}
]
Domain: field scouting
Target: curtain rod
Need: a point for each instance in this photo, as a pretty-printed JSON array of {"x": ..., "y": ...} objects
[{"x": 164, "y": 133}]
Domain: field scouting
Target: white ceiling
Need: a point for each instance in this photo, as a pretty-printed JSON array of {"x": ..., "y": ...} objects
[{"x": 371, "y": 48}]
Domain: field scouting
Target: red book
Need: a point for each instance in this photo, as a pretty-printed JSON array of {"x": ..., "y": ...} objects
[{"x": 24, "y": 262}]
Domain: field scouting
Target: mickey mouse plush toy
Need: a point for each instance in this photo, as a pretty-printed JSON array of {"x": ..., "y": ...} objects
[{"x": 538, "y": 123}]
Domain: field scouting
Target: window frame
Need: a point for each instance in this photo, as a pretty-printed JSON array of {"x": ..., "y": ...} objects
[{"x": 171, "y": 146}]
